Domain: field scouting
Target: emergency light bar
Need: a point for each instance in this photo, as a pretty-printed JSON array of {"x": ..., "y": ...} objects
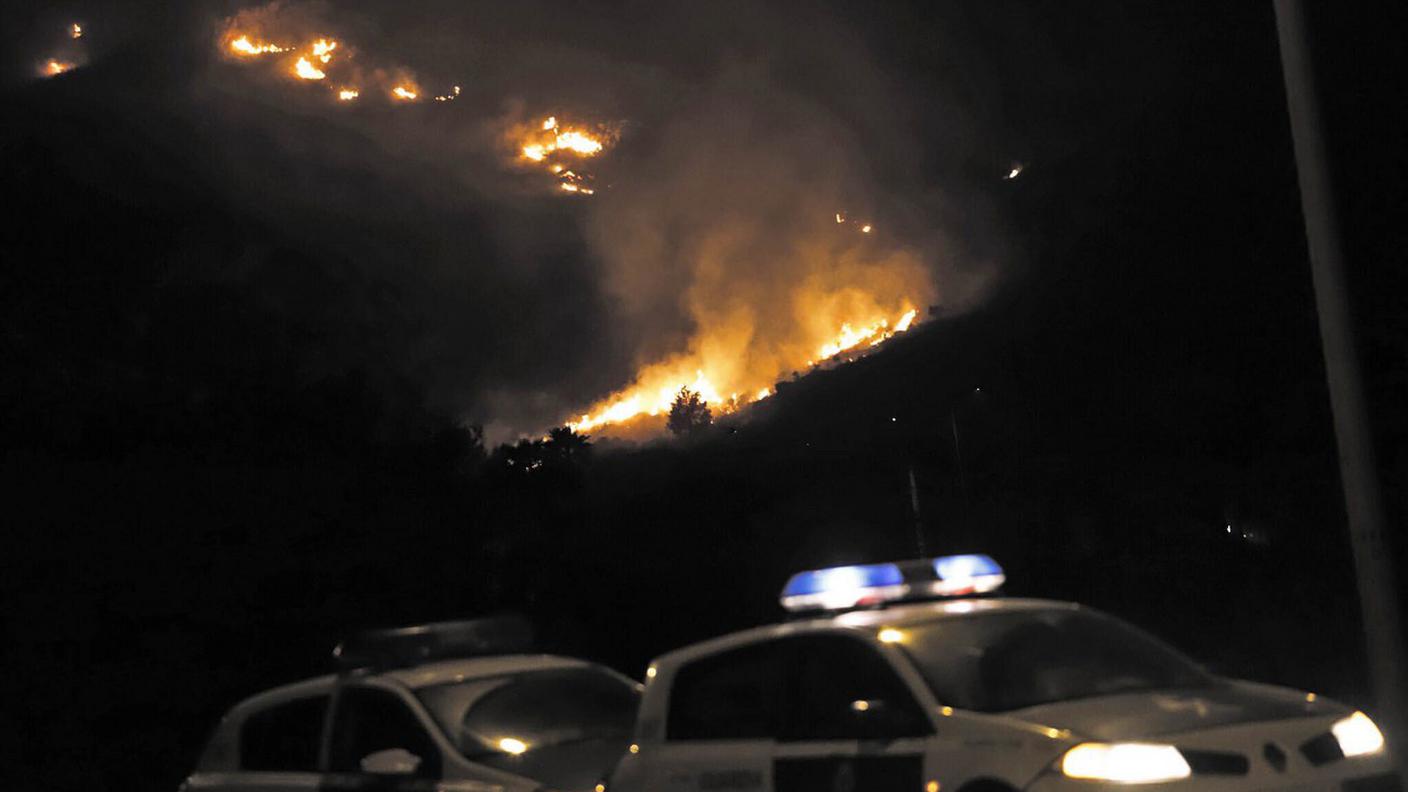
[
  {"x": 861, "y": 585},
  {"x": 408, "y": 646}
]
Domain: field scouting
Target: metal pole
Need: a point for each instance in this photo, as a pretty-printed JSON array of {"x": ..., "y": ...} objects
[{"x": 1377, "y": 590}]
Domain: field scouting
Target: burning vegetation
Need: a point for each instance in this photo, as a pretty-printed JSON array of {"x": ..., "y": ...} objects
[
  {"x": 730, "y": 218},
  {"x": 563, "y": 150}
]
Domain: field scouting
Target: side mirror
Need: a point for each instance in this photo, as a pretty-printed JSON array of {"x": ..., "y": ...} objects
[{"x": 391, "y": 761}]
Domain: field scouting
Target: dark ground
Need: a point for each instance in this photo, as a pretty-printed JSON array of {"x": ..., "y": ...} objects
[{"x": 190, "y": 521}]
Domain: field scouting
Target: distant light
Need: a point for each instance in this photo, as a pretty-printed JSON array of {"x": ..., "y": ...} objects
[
  {"x": 600, "y": 787},
  {"x": 1014, "y": 171},
  {"x": 893, "y": 419},
  {"x": 651, "y": 672},
  {"x": 840, "y": 218},
  {"x": 75, "y": 30},
  {"x": 890, "y": 635},
  {"x": 512, "y": 745},
  {"x": 932, "y": 786},
  {"x": 860, "y": 705},
  {"x": 865, "y": 229},
  {"x": 635, "y": 748}
]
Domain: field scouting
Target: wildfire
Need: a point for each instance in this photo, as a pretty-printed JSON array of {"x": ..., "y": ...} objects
[
  {"x": 405, "y": 92},
  {"x": 562, "y": 150},
  {"x": 656, "y": 387},
  {"x": 54, "y": 67},
  {"x": 348, "y": 94},
  {"x": 449, "y": 97},
  {"x": 307, "y": 71},
  {"x": 322, "y": 49},
  {"x": 243, "y": 46}
]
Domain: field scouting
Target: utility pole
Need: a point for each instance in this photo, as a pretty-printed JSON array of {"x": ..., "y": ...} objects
[{"x": 1378, "y": 593}]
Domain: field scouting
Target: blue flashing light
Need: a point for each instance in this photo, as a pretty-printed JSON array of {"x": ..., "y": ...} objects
[
  {"x": 843, "y": 587},
  {"x": 967, "y": 574}
]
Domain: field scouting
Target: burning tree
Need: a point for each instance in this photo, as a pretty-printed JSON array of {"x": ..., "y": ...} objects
[{"x": 689, "y": 413}]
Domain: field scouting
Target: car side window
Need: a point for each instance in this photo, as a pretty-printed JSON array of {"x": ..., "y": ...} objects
[
  {"x": 369, "y": 720},
  {"x": 734, "y": 695},
  {"x": 843, "y": 689},
  {"x": 284, "y": 737}
]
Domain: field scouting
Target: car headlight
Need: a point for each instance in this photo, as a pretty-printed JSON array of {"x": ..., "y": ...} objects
[
  {"x": 1125, "y": 763},
  {"x": 1357, "y": 735}
]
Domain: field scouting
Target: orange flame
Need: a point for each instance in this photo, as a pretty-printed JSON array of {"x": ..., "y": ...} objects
[
  {"x": 54, "y": 67},
  {"x": 656, "y": 386},
  {"x": 305, "y": 70},
  {"x": 75, "y": 30},
  {"x": 322, "y": 49},
  {"x": 553, "y": 145},
  {"x": 405, "y": 92},
  {"x": 348, "y": 94},
  {"x": 243, "y": 46}
]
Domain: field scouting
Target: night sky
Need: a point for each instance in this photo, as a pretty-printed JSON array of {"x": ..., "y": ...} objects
[{"x": 246, "y": 334}]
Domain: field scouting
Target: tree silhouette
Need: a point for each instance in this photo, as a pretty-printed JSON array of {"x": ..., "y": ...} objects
[
  {"x": 566, "y": 447},
  {"x": 689, "y": 414}
]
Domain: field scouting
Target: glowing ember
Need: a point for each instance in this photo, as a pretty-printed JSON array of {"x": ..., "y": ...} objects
[
  {"x": 75, "y": 30},
  {"x": 348, "y": 94},
  {"x": 243, "y": 46},
  {"x": 405, "y": 92},
  {"x": 53, "y": 68},
  {"x": 307, "y": 71},
  {"x": 840, "y": 218},
  {"x": 865, "y": 229},
  {"x": 656, "y": 387},
  {"x": 449, "y": 97}
]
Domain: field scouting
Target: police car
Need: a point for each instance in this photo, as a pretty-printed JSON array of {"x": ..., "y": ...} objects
[
  {"x": 877, "y": 690},
  {"x": 455, "y": 706}
]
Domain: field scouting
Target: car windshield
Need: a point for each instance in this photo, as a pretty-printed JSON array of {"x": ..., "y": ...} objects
[
  {"x": 511, "y": 715},
  {"x": 1007, "y": 660}
]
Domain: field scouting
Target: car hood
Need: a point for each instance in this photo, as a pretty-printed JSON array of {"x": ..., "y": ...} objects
[{"x": 1133, "y": 716}]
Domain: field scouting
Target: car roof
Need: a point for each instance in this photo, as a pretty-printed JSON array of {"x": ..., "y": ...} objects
[
  {"x": 435, "y": 673},
  {"x": 866, "y": 620},
  {"x": 443, "y": 672}
]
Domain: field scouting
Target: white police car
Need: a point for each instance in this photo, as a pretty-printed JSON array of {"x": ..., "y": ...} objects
[
  {"x": 450, "y": 706},
  {"x": 970, "y": 695}
]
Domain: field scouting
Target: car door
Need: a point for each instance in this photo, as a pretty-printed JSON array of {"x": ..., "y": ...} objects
[
  {"x": 724, "y": 715},
  {"x": 851, "y": 723},
  {"x": 377, "y": 744},
  {"x": 276, "y": 750}
]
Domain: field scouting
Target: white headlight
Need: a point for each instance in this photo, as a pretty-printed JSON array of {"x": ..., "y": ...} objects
[
  {"x": 1358, "y": 735},
  {"x": 1125, "y": 763}
]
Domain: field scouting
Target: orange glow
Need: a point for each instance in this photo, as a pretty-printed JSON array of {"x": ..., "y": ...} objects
[
  {"x": 405, "y": 92},
  {"x": 322, "y": 49},
  {"x": 305, "y": 70},
  {"x": 75, "y": 30},
  {"x": 348, "y": 94},
  {"x": 713, "y": 370},
  {"x": 449, "y": 97},
  {"x": 53, "y": 67},
  {"x": 865, "y": 229},
  {"x": 243, "y": 46},
  {"x": 554, "y": 145}
]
